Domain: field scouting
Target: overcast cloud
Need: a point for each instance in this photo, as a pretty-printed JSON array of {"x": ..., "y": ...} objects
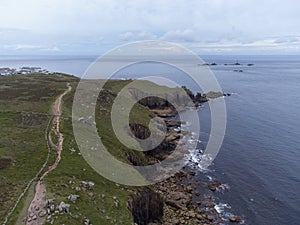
[{"x": 95, "y": 26}]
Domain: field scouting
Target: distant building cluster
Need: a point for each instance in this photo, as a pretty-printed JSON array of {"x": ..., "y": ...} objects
[{"x": 22, "y": 70}]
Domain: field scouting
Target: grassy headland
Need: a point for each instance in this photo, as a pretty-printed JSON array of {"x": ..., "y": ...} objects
[{"x": 25, "y": 104}]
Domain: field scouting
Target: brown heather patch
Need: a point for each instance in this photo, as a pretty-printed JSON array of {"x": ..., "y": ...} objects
[{"x": 5, "y": 163}]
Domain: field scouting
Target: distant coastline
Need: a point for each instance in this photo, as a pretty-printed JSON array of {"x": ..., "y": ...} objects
[{"x": 25, "y": 70}]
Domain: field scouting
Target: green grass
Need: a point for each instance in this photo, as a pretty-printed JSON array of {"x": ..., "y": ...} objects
[
  {"x": 19, "y": 217},
  {"x": 24, "y": 107},
  {"x": 73, "y": 167},
  {"x": 26, "y": 147},
  {"x": 22, "y": 140},
  {"x": 31, "y": 92}
]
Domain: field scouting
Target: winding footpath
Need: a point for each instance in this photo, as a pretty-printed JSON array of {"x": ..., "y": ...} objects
[{"x": 36, "y": 206}]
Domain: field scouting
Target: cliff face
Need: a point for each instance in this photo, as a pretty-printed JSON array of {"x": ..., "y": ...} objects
[
  {"x": 140, "y": 131},
  {"x": 166, "y": 147},
  {"x": 146, "y": 206},
  {"x": 175, "y": 97},
  {"x": 155, "y": 103}
]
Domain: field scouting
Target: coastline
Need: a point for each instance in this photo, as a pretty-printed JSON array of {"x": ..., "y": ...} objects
[
  {"x": 183, "y": 203},
  {"x": 247, "y": 146},
  {"x": 182, "y": 186}
]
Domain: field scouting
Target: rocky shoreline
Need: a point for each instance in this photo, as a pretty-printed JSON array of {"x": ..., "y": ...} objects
[
  {"x": 183, "y": 203},
  {"x": 179, "y": 206},
  {"x": 179, "y": 195}
]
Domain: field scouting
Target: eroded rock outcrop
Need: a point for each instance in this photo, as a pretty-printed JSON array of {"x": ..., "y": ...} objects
[{"x": 146, "y": 206}]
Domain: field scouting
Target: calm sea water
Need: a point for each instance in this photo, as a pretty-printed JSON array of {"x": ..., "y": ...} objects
[
  {"x": 260, "y": 156},
  {"x": 75, "y": 65}
]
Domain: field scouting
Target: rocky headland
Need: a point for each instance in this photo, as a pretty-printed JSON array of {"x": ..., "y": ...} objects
[{"x": 176, "y": 200}]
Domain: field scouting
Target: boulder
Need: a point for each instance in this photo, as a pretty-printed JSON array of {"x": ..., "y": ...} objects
[
  {"x": 235, "y": 219},
  {"x": 73, "y": 198},
  {"x": 42, "y": 213},
  {"x": 77, "y": 188},
  {"x": 179, "y": 200},
  {"x": 214, "y": 185},
  {"x": 52, "y": 208},
  {"x": 86, "y": 221},
  {"x": 91, "y": 185},
  {"x": 63, "y": 208}
]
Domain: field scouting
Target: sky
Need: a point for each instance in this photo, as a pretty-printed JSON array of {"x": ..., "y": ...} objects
[{"x": 92, "y": 27}]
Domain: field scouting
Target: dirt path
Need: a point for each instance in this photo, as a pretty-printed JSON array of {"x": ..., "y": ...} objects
[{"x": 36, "y": 206}]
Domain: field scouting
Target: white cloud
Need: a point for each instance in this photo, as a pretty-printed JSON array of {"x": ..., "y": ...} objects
[
  {"x": 281, "y": 40},
  {"x": 128, "y": 36},
  {"x": 21, "y": 47},
  {"x": 196, "y": 22},
  {"x": 51, "y": 49},
  {"x": 137, "y": 36},
  {"x": 146, "y": 36},
  {"x": 180, "y": 35},
  {"x": 26, "y": 47}
]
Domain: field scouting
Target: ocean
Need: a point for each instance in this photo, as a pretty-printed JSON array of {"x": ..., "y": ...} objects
[{"x": 260, "y": 156}]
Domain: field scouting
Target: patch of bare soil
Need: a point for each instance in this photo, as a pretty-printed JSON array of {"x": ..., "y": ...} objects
[{"x": 36, "y": 211}]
